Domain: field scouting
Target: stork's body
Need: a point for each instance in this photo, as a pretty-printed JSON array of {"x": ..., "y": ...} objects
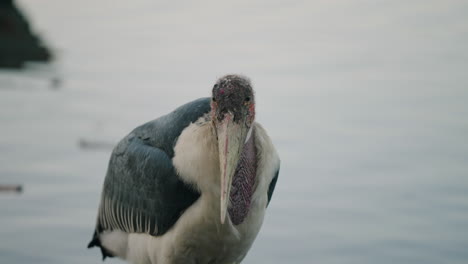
[{"x": 163, "y": 194}]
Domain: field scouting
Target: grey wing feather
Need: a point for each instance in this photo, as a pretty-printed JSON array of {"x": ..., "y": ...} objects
[{"x": 142, "y": 192}]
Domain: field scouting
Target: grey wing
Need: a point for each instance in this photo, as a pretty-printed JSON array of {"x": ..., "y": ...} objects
[
  {"x": 272, "y": 185},
  {"x": 142, "y": 192}
]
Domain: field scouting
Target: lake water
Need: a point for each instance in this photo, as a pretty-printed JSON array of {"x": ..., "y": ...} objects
[{"x": 366, "y": 101}]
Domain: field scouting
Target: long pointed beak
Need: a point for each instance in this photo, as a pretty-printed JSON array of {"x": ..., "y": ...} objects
[{"x": 231, "y": 138}]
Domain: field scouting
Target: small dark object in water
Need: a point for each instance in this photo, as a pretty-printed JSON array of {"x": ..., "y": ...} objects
[
  {"x": 88, "y": 144},
  {"x": 55, "y": 83},
  {"x": 11, "y": 188}
]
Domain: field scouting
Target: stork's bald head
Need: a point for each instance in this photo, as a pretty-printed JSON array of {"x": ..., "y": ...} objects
[{"x": 234, "y": 94}]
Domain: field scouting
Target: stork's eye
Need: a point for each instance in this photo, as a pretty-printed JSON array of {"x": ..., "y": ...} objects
[
  {"x": 247, "y": 99},
  {"x": 213, "y": 99}
]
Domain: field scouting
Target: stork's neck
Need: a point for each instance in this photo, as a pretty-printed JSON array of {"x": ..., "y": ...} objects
[
  {"x": 243, "y": 182},
  {"x": 197, "y": 163}
]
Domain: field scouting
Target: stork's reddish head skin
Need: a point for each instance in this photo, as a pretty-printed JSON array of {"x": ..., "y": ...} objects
[
  {"x": 233, "y": 113},
  {"x": 234, "y": 94}
]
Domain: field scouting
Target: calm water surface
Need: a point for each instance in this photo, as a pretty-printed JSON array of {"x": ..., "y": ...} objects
[{"x": 366, "y": 101}]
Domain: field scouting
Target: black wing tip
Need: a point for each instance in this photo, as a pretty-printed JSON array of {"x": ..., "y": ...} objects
[
  {"x": 92, "y": 244},
  {"x": 105, "y": 254},
  {"x": 271, "y": 188},
  {"x": 95, "y": 242}
]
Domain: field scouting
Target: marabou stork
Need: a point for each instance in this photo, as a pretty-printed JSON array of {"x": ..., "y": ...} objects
[{"x": 191, "y": 186}]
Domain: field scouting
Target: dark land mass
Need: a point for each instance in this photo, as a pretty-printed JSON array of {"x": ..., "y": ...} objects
[{"x": 18, "y": 44}]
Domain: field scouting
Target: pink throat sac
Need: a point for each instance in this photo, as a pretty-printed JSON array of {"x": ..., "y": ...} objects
[{"x": 243, "y": 183}]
